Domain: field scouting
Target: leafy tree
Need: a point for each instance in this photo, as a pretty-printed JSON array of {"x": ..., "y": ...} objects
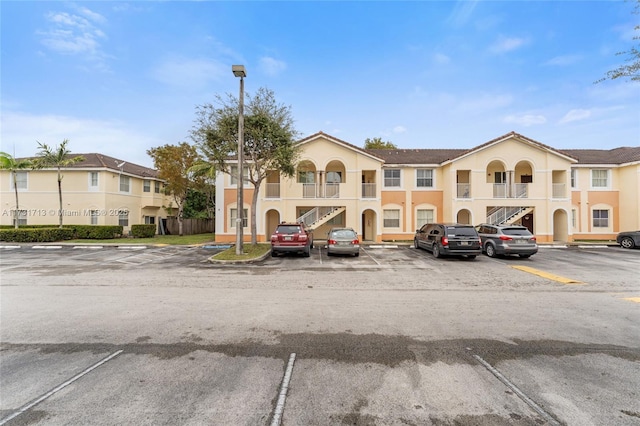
[
  {"x": 269, "y": 139},
  {"x": 206, "y": 173},
  {"x": 13, "y": 165},
  {"x": 378, "y": 143},
  {"x": 197, "y": 205},
  {"x": 632, "y": 67},
  {"x": 173, "y": 163},
  {"x": 57, "y": 158}
]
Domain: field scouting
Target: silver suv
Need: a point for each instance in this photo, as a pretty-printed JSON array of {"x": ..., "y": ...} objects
[{"x": 506, "y": 240}]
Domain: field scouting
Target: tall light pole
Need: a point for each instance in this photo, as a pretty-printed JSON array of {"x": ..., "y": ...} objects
[{"x": 239, "y": 71}]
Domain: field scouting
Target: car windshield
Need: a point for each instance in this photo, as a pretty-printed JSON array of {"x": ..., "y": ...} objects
[
  {"x": 343, "y": 233},
  {"x": 467, "y": 231},
  {"x": 293, "y": 229},
  {"x": 516, "y": 231}
]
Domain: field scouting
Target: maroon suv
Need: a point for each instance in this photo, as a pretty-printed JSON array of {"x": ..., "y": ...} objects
[{"x": 291, "y": 238}]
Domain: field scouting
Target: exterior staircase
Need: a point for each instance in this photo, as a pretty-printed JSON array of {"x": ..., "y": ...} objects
[
  {"x": 319, "y": 215},
  {"x": 500, "y": 215}
]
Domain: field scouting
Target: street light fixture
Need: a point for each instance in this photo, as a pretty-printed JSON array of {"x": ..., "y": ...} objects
[{"x": 239, "y": 71}]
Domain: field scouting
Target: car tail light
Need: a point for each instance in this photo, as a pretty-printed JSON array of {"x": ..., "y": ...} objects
[
  {"x": 505, "y": 238},
  {"x": 274, "y": 238},
  {"x": 533, "y": 238},
  {"x": 302, "y": 237},
  {"x": 445, "y": 241},
  {"x": 356, "y": 241},
  {"x": 331, "y": 242}
]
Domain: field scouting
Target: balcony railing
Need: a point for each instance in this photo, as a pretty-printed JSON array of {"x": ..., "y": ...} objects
[
  {"x": 559, "y": 190},
  {"x": 313, "y": 190},
  {"x": 272, "y": 190},
  {"x": 368, "y": 190},
  {"x": 464, "y": 190},
  {"x": 517, "y": 190}
]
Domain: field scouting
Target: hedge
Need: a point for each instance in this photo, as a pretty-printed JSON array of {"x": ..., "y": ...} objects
[
  {"x": 36, "y": 235},
  {"x": 143, "y": 231},
  {"x": 85, "y": 232}
]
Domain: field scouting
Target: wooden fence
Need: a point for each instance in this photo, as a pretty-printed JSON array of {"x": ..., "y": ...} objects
[{"x": 189, "y": 226}]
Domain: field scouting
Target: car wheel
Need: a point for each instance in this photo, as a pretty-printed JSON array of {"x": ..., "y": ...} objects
[
  {"x": 273, "y": 253},
  {"x": 357, "y": 254},
  {"x": 491, "y": 250},
  {"x": 436, "y": 251},
  {"x": 525, "y": 256},
  {"x": 415, "y": 244},
  {"x": 471, "y": 256},
  {"x": 627, "y": 242},
  {"x": 307, "y": 252}
]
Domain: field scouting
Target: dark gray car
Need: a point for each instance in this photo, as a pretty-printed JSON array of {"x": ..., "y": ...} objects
[
  {"x": 499, "y": 240},
  {"x": 448, "y": 240},
  {"x": 629, "y": 239}
]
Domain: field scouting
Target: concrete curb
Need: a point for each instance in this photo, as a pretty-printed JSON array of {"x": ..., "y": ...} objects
[{"x": 239, "y": 261}]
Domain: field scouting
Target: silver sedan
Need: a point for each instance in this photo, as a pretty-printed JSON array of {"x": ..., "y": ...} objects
[{"x": 343, "y": 241}]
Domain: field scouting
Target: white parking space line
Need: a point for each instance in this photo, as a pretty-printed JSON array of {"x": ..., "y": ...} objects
[
  {"x": 132, "y": 247},
  {"x": 277, "y": 415},
  {"x": 367, "y": 253},
  {"x": 37, "y": 401},
  {"x": 46, "y": 247},
  {"x": 9, "y": 247},
  {"x": 88, "y": 247},
  {"x": 531, "y": 403}
]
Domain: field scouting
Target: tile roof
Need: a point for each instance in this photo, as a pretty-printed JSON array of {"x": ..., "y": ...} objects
[
  {"x": 620, "y": 155},
  {"x": 416, "y": 156},
  {"x": 99, "y": 161}
]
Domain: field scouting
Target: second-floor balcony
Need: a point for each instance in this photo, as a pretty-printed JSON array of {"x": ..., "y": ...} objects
[
  {"x": 368, "y": 190},
  {"x": 516, "y": 190},
  {"x": 464, "y": 190},
  {"x": 559, "y": 190},
  {"x": 315, "y": 190}
]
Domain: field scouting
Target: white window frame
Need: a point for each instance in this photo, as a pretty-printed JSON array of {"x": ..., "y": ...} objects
[
  {"x": 574, "y": 178},
  {"x": 91, "y": 185},
  {"x": 94, "y": 217},
  {"x": 423, "y": 221},
  {"x": 386, "y": 216},
  {"x": 574, "y": 218},
  {"x": 156, "y": 187},
  {"x": 20, "y": 216},
  {"x": 233, "y": 215},
  {"x": 598, "y": 220},
  {"x": 432, "y": 177},
  {"x": 123, "y": 218},
  {"x": 233, "y": 181},
  {"x": 608, "y": 179},
  {"x": 127, "y": 182},
  {"x": 399, "y": 178},
  {"x": 146, "y": 186},
  {"x": 23, "y": 183}
]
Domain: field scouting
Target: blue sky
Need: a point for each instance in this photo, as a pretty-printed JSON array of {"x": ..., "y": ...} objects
[{"x": 121, "y": 77}]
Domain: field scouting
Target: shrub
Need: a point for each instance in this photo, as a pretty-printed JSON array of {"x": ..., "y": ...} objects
[
  {"x": 143, "y": 231},
  {"x": 36, "y": 235},
  {"x": 97, "y": 232}
]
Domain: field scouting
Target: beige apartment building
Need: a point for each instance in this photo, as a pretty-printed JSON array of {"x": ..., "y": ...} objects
[
  {"x": 385, "y": 195},
  {"x": 100, "y": 190}
]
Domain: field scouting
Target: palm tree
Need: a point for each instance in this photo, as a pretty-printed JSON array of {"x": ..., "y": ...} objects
[
  {"x": 58, "y": 158},
  {"x": 7, "y": 162}
]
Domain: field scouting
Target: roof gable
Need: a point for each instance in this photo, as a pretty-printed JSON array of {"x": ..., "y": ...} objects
[
  {"x": 340, "y": 142},
  {"x": 100, "y": 161}
]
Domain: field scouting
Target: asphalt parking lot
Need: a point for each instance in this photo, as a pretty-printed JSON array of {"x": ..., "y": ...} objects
[{"x": 159, "y": 335}]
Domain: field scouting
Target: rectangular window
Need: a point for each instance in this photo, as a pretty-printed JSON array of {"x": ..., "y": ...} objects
[
  {"x": 146, "y": 186},
  {"x": 20, "y": 216},
  {"x": 424, "y": 178},
  {"x": 149, "y": 220},
  {"x": 391, "y": 218},
  {"x": 574, "y": 178},
  {"x": 573, "y": 218},
  {"x": 94, "y": 217},
  {"x": 234, "y": 175},
  {"x": 156, "y": 187},
  {"x": 22, "y": 180},
  {"x": 392, "y": 178},
  {"x": 234, "y": 216},
  {"x": 306, "y": 177},
  {"x": 124, "y": 183},
  {"x": 123, "y": 219},
  {"x": 423, "y": 217},
  {"x": 599, "y": 178},
  {"x": 93, "y": 181},
  {"x": 601, "y": 218}
]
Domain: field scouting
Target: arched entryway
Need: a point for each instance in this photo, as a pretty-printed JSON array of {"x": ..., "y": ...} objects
[
  {"x": 560, "y": 226},
  {"x": 464, "y": 216},
  {"x": 272, "y": 219},
  {"x": 368, "y": 226}
]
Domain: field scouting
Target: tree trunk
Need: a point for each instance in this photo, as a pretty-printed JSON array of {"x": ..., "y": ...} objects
[
  {"x": 60, "y": 196},
  {"x": 15, "y": 187}
]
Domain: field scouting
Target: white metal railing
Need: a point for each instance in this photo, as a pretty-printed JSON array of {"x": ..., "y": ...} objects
[
  {"x": 272, "y": 190},
  {"x": 559, "y": 190},
  {"x": 499, "y": 190},
  {"x": 313, "y": 215},
  {"x": 464, "y": 190},
  {"x": 368, "y": 190},
  {"x": 503, "y": 214},
  {"x": 521, "y": 190},
  {"x": 517, "y": 190},
  {"x": 313, "y": 190}
]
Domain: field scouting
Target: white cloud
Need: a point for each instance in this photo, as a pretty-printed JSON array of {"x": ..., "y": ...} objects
[
  {"x": 189, "y": 73},
  {"x": 563, "y": 60},
  {"x": 575, "y": 115},
  {"x": 399, "y": 129},
  {"x": 21, "y": 131},
  {"x": 271, "y": 66},
  {"x": 461, "y": 12},
  {"x": 507, "y": 44},
  {"x": 525, "y": 120},
  {"x": 441, "y": 58}
]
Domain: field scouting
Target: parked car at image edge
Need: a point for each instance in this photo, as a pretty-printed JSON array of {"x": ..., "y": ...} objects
[
  {"x": 629, "y": 239},
  {"x": 503, "y": 240},
  {"x": 291, "y": 238},
  {"x": 448, "y": 240},
  {"x": 343, "y": 241}
]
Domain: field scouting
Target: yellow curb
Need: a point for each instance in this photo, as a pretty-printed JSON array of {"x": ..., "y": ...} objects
[
  {"x": 632, "y": 299},
  {"x": 547, "y": 275}
]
